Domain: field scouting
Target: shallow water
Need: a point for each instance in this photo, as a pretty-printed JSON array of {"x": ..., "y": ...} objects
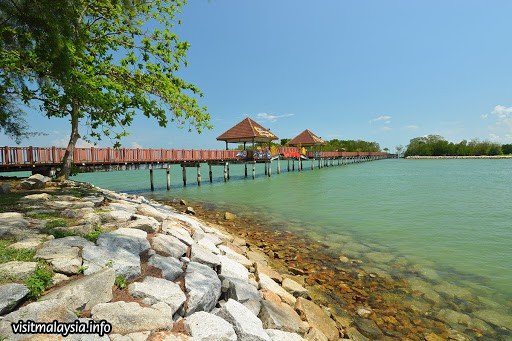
[{"x": 447, "y": 221}]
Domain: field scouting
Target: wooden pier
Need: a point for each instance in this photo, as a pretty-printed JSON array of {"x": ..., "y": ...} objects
[{"x": 46, "y": 160}]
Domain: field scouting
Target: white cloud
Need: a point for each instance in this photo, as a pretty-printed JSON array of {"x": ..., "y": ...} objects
[
  {"x": 500, "y": 130},
  {"x": 502, "y": 111},
  {"x": 385, "y": 118},
  {"x": 411, "y": 127},
  {"x": 271, "y": 117},
  {"x": 484, "y": 116},
  {"x": 385, "y": 128},
  {"x": 63, "y": 143}
]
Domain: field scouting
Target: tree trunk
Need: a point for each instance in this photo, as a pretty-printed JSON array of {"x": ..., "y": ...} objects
[{"x": 65, "y": 169}]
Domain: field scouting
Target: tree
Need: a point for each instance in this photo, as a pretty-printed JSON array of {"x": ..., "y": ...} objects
[
  {"x": 386, "y": 149},
  {"x": 12, "y": 122},
  {"x": 399, "y": 150},
  {"x": 284, "y": 141},
  {"x": 98, "y": 63}
]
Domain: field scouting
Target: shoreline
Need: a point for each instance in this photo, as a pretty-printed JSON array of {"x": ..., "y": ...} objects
[{"x": 450, "y": 157}]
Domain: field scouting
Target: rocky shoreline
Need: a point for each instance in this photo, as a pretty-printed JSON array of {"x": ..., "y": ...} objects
[{"x": 73, "y": 251}]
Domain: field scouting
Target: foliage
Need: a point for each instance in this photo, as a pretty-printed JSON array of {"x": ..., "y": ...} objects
[
  {"x": 8, "y": 254},
  {"x": 284, "y": 141},
  {"x": 39, "y": 281},
  {"x": 9, "y": 202},
  {"x": 99, "y": 63},
  {"x": 506, "y": 149},
  {"x": 12, "y": 121},
  {"x": 59, "y": 222},
  {"x": 435, "y": 145},
  {"x": 351, "y": 146},
  {"x": 120, "y": 282},
  {"x": 93, "y": 235}
]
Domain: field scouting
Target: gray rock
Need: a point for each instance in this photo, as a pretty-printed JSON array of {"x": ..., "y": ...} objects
[
  {"x": 87, "y": 291},
  {"x": 11, "y": 295},
  {"x": 168, "y": 245},
  {"x": 240, "y": 290},
  {"x": 247, "y": 325},
  {"x": 279, "y": 335},
  {"x": 213, "y": 238},
  {"x": 231, "y": 268},
  {"x": 190, "y": 210},
  {"x": 131, "y": 317},
  {"x": 18, "y": 270},
  {"x": 97, "y": 200},
  {"x": 131, "y": 240},
  {"x": 71, "y": 241},
  {"x": 124, "y": 263},
  {"x": 139, "y": 336},
  {"x": 317, "y": 318},
  {"x": 207, "y": 243},
  {"x": 253, "y": 305},
  {"x": 37, "y": 197},
  {"x": 5, "y": 187},
  {"x": 496, "y": 317},
  {"x": 31, "y": 242},
  {"x": 294, "y": 288},
  {"x": 236, "y": 256},
  {"x": 117, "y": 216},
  {"x": 203, "y": 326},
  {"x": 151, "y": 211},
  {"x": 12, "y": 225},
  {"x": 35, "y": 181},
  {"x": 123, "y": 206},
  {"x": 171, "y": 267},
  {"x": 269, "y": 284},
  {"x": 62, "y": 258},
  {"x": 203, "y": 288},
  {"x": 203, "y": 255},
  {"x": 144, "y": 223},
  {"x": 281, "y": 316},
  {"x": 153, "y": 290},
  {"x": 174, "y": 228}
]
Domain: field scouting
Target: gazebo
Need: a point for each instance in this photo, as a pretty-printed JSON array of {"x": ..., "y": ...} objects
[
  {"x": 306, "y": 139},
  {"x": 247, "y": 131}
]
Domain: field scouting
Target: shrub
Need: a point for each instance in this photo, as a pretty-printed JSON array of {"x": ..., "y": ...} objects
[
  {"x": 120, "y": 282},
  {"x": 39, "y": 281},
  {"x": 93, "y": 235}
]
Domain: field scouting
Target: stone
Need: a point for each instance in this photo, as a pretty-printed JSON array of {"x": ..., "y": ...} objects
[
  {"x": 59, "y": 278},
  {"x": 174, "y": 228},
  {"x": 62, "y": 258},
  {"x": 230, "y": 268},
  {"x": 240, "y": 290},
  {"x": 229, "y": 216},
  {"x": 253, "y": 305},
  {"x": 317, "y": 318},
  {"x": 279, "y": 316},
  {"x": 279, "y": 335},
  {"x": 123, "y": 262},
  {"x": 5, "y": 188},
  {"x": 123, "y": 206},
  {"x": 32, "y": 242},
  {"x": 190, "y": 210},
  {"x": 316, "y": 335},
  {"x": 153, "y": 290},
  {"x": 97, "y": 200},
  {"x": 151, "y": 211},
  {"x": 368, "y": 328},
  {"x": 268, "y": 283},
  {"x": 35, "y": 181},
  {"x": 239, "y": 241},
  {"x": 257, "y": 256},
  {"x": 130, "y": 317},
  {"x": 433, "y": 337},
  {"x": 76, "y": 213},
  {"x": 117, "y": 216},
  {"x": 203, "y": 288},
  {"x": 228, "y": 252},
  {"x": 37, "y": 197},
  {"x": 18, "y": 270},
  {"x": 207, "y": 243},
  {"x": 131, "y": 240},
  {"x": 168, "y": 245},
  {"x": 498, "y": 318},
  {"x": 12, "y": 225},
  {"x": 11, "y": 295},
  {"x": 183, "y": 202},
  {"x": 363, "y": 312},
  {"x": 264, "y": 269},
  {"x": 355, "y": 335},
  {"x": 171, "y": 267},
  {"x": 213, "y": 237},
  {"x": 247, "y": 325},
  {"x": 148, "y": 224},
  {"x": 203, "y": 326},
  {"x": 294, "y": 288},
  {"x": 201, "y": 254},
  {"x": 139, "y": 336}
]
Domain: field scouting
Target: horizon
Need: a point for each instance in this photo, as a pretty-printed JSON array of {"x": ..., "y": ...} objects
[{"x": 370, "y": 71}]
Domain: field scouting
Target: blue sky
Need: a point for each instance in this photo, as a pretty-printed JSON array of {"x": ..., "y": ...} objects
[{"x": 378, "y": 70}]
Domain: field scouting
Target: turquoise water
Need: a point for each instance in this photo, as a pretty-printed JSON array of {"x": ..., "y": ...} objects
[{"x": 451, "y": 217}]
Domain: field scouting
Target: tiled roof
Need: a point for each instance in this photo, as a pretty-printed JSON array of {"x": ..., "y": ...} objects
[
  {"x": 246, "y": 131},
  {"x": 306, "y": 138}
]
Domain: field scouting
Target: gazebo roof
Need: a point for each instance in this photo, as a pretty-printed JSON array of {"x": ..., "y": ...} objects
[
  {"x": 306, "y": 138},
  {"x": 247, "y": 131}
]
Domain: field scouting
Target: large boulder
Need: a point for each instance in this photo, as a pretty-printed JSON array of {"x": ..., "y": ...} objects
[
  {"x": 62, "y": 258},
  {"x": 153, "y": 290},
  {"x": 131, "y": 240},
  {"x": 11, "y": 295},
  {"x": 35, "y": 181},
  {"x": 168, "y": 245},
  {"x": 175, "y": 228},
  {"x": 317, "y": 318},
  {"x": 148, "y": 224},
  {"x": 268, "y": 283},
  {"x": 171, "y": 267},
  {"x": 12, "y": 225},
  {"x": 279, "y": 316},
  {"x": 279, "y": 335},
  {"x": 124, "y": 263},
  {"x": 37, "y": 197},
  {"x": 131, "y": 317},
  {"x": 203, "y": 288},
  {"x": 203, "y": 255},
  {"x": 247, "y": 325},
  {"x": 231, "y": 268},
  {"x": 237, "y": 257},
  {"x": 240, "y": 290},
  {"x": 18, "y": 270},
  {"x": 203, "y": 326},
  {"x": 207, "y": 243},
  {"x": 294, "y": 288},
  {"x": 150, "y": 211},
  {"x": 87, "y": 291}
]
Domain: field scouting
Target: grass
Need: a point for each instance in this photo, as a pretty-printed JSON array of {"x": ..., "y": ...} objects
[
  {"x": 120, "y": 282},
  {"x": 39, "y": 281},
  {"x": 8, "y": 254},
  {"x": 93, "y": 235},
  {"x": 9, "y": 202},
  {"x": 45, "y": 216}
]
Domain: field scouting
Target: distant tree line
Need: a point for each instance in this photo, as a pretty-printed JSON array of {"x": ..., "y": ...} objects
[
  {"x": 332, "y": 145},
  {"x": 436, "y": 145}
]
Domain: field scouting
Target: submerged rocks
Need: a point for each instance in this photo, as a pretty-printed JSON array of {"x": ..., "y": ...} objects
[
  {"x": 11, "y": 295},
  {"x": 203, "y": 326}
]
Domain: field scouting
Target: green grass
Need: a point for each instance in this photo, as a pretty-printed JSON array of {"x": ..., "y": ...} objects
[
  {"x": 39, "y": 281},
  {"x": 93, "y": 235},
  {"x": 120, "y": 281},
  {"x": 45, "y": 216},
  {"x": 9, "y": 202},
  {"x": 8, "y": 254},
  {"x": 58, "y": 222}
]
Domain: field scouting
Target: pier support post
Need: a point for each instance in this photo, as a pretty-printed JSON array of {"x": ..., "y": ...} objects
[
  {"x": 227, "y": 163},
  {"x": 245, "y": 166},
  {"x": 199, "y": 174},
  {"x": 293, "y": 165},
  {"x": 300, "y": 164},
  {"x": 168, "y": 177},
  {"x": 266, "y": 169},
  {"x": 151, "y": 178},
  {"x": 210, "y": 172},
  {"x": 184, "y": 173},
  {"x": 270, "y": 168},
  {"x": 225, "y": 172},
  {"x": 254, "y": 170},
  {"x": 312, "y": 164},
  {"x": 288, "y": 165},
  {"x": 278, "y": 166}
]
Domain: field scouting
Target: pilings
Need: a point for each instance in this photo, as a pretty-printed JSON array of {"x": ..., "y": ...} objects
[
  {"x": 254, "y": 170},
  {"x": 199, "y": 174},
  {"x": 151, "y": 178},
  {"x": 184, "y": 173},
  {"x": 210, "y": 173},
  {"x": 226, "y": 172},
  {"x": 168, "y": 177},
  {"x": 278, "y": 166}
]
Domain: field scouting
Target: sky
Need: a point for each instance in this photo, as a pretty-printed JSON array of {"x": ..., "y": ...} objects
[{"x": 384, "y": 71}]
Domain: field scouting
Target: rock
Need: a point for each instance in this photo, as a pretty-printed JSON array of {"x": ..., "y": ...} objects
[
  {"x": 433, "y": 337},
  {"x": 87, "y": 291},
  {"x": 253, "y": 305},
  {"x": 355, "y": 335},
  {"x": 495, "y": 317},
  {"x": 213, "y": 237},
  {"x": 344, "y": 259},
  {"x": 153, "y": 290},
  {"x": 203, "y": 326},
  {"x": 294, "y": 288},
  {"x": 151, "y": 211},
  {"x": 168, "y": 245},
  {"x": 363, "y": 312},
  {"x": 279, "y": 316},
  {"x": 229, "y": 216},
  {"x": 247, "y": 325},
  {"x": 455, "y": 318},
  {"x": 235, "y": 256},
  {"x": 230, "y": 268},
  {"x": 35, "y": 181},
  {"x": 148, "y": 224},
  {"x": 97, "y": 200},
  {"x": 183, "y": 202},
  {"x": 171, "y": 267},
  {"x": 190, "y": 210},
  {"x": 257, "y": 256},
  {"x": 62, "y": 258},
  {"x": 37, "y": 197},
  {"x": 12, "y": 225},
  {"x": 18, "y": 270},
  {"x": 11, "y": 295},
  {"x": 123, "y": 262},
  {"x": 240, "y": 290},
  {"x": 207, "y": 243},
  {"x": 175, "y": 229},
  {"x": 118, "y": 216},
  {"x": 316, "y": 335},
  {"x": 203, "y": 288},
  {"x": 264, "y": 269},
  {"x": 131, "y": 317},
  {"x": 139, "y": 336},
  {"x": 131, "y": 240},
  {"x": 368, "y": 328},
  {"x": 279, "y": 335},
  {"x": 30, "y": 242},
  {"x": 269, "y": 284},
  {"x": 76, "y": 213},
  {"x": 317, "y": 318},
  {"x": 203, "y": 255},
  {"x": 239, "y": 241},
  {"x": 5, "y": 188},
  {"x": 59, "y": 278}
]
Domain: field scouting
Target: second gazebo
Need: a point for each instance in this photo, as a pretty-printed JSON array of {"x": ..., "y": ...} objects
[{"x": 306, "y": 139}]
